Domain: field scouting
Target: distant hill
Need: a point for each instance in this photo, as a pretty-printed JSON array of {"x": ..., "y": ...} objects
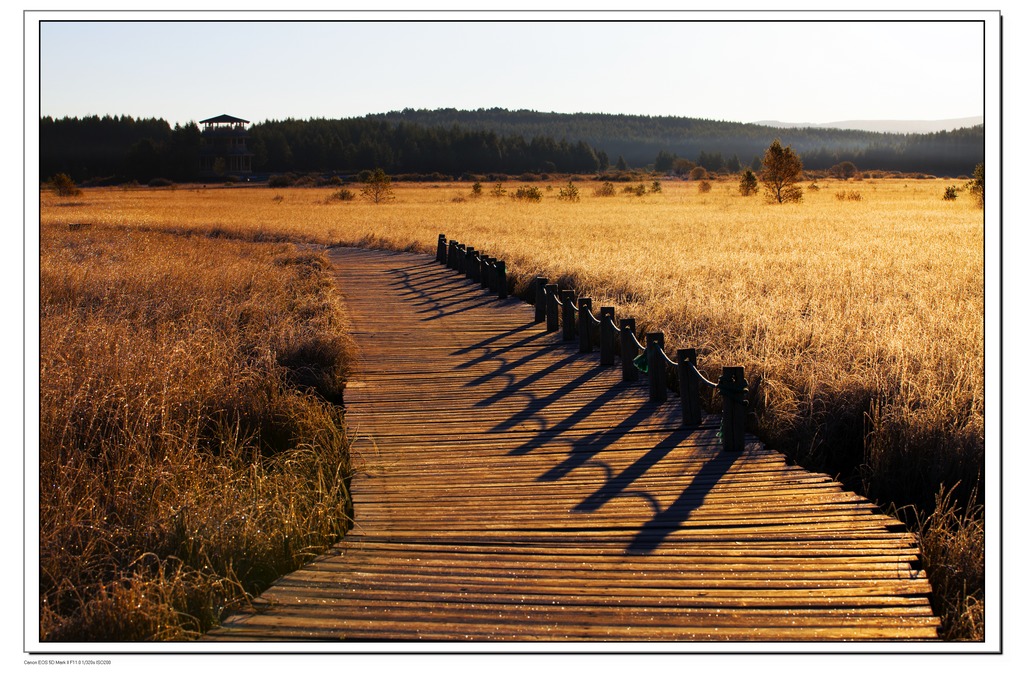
[
  {"x": 640, "y": 140},
  {"x": 886, "y": 125}
]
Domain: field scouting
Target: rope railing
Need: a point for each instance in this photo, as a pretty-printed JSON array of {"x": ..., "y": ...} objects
[{"x": 578, "y": 323}]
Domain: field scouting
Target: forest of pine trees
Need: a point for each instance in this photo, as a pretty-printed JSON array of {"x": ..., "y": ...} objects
[{"x": 454, "y": 143}]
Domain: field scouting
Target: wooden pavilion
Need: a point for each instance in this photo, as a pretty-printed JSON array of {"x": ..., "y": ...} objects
[{"x": 224, "y": 150}]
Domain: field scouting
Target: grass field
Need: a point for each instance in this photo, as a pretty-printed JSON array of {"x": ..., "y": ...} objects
[{"x": 859, "y": 319}]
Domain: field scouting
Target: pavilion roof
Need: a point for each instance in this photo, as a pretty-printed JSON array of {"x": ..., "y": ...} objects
[{"x": 224, "y": 119}]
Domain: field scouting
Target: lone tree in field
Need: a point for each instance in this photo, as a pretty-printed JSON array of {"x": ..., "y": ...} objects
[
  {"x": 977, "y": 186},
  {"x": 377, "y": 187},
  {"x": 63, "y": 185},
  {"x": 781, "y": 169}
]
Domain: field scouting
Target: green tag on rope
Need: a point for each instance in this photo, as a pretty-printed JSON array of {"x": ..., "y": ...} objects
[{"x": 640, "y": 362}]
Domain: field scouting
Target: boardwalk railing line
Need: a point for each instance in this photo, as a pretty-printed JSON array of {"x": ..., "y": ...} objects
[{"x": 578, "y": 322}]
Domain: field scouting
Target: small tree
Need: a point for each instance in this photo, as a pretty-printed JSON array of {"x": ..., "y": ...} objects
[
  {"x": 498, "y": 190},
  {"x": 781, "y": 169},
  {"x": 977, "y": 186},
  {"x": 748, "y": 183},
  {"x": 478, "y": 190},
  {"x": 377, "y": 187},
  {"x": 63, "y": 185}
]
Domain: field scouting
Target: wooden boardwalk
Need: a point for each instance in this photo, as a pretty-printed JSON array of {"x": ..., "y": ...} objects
[{"x": 512, "y": 489}]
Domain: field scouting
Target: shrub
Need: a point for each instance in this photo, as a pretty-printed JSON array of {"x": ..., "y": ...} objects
[
  {"x": 569, "y": 193},
  {"x": 280, "y": 181},
  {"x": 949, "y": 194},
  {"x": 682, "y": 166},
  {"x": 698, "y": 173},
  {"x": 848, "y": 196},
  {"x": 704, "y": 187},
  {"x": 344, "y": 194},
  {"x": 606, "y": 189},
  {"x": 478, "y": 190},
  {"x": 656, "y": 187},
  {"x": 525, "y": 193},
  {"x": 843, "y": 170},
  {"x": 307, "y": 181},
  {"x": 63, "y": 185},
  {"x": 748, "y": 183},
  {"x": 498, "y": 190},
  {"x": 160, "y": 182}
]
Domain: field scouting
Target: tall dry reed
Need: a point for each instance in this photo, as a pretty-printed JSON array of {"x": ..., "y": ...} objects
[{"x": 190, "y": 452}]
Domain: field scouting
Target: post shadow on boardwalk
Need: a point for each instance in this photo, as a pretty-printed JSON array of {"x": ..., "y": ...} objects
[
  {"x": 654, "y": 532},
  {"x": 458, "y": 300}
]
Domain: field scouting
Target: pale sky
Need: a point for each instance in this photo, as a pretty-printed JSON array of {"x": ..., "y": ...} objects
[{"x": 736, "y": 70}]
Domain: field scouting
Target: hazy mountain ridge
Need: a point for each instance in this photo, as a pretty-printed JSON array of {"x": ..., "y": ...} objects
[{"x": 885, "y": 125}]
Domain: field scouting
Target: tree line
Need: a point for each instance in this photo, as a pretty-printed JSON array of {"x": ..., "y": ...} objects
[
  {"x": 455, "y": 143},
  {"x": 719, "y": 145}
]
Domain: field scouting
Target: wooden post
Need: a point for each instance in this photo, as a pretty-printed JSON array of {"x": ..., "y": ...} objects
[
  {"x": 568, "y": 315},
  {"x": 657, "y": 379},
  {"x": 629, "y": 371},
  {"x": 452, "y": 247},
  {"x": 583, "y": 325},
  {"x": 492, "y": 274},
  {"x": 689, "y": 386},
  {"x": 470, "y": 261},
  {"x": 442, "y": 249},
  {"x": 733, "y": 388},
  {"x": 552, "y": 309},
  {"x": 540, "y": 301},
  {"x": 502, "y": 281},
  {"x": 607, "y": 335},
  {"x": 485, "y": 272},
  {"x": 460, "y": 258}
]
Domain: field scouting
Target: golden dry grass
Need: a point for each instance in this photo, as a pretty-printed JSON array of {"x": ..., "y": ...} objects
[
  {"x": 859, "y": 321},
  {"x": 188, "y": 453}
]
